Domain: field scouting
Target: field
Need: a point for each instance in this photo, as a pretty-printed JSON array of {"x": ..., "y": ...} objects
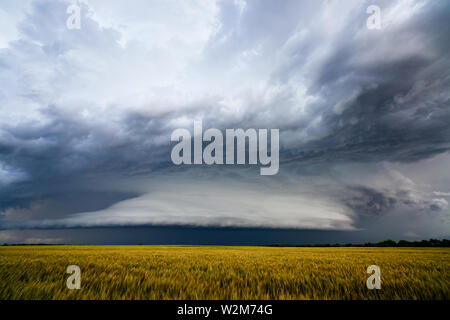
[{"x": 198, "y": 272}]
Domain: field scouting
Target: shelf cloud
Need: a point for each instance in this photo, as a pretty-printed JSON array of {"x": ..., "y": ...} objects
[{"x": 87, "y": 114}]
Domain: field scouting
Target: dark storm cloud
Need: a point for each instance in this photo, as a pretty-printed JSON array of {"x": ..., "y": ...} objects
[
  {"x": 365, "y": 96},
  {"x": 60, "y": 155},
  {"x": 384, "y": 106},
  {"x": 369, "y": 202}
]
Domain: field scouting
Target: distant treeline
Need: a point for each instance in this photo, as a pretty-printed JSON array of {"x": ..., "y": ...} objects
[{"x": 386, "y": 243}]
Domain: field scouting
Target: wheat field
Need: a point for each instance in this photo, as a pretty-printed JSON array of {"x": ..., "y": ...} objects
[{"x": 208, "y": 272}]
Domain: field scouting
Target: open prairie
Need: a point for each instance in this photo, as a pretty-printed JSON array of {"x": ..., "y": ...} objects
[{"x": 208, "y": 272}]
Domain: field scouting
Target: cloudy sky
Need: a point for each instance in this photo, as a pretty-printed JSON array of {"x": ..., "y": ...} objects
[{"x": 86, "y": 117}]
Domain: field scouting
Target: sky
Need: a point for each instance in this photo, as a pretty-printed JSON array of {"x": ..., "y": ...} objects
[{"x": 86, "y": 117}]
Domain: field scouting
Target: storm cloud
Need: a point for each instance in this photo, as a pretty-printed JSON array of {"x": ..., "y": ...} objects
[{"x": 86, "y": 115}]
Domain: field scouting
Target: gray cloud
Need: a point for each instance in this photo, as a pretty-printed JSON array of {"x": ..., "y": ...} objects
[
  {"x": 369, "y": 202},
  {"x": 89, "y": 113}
]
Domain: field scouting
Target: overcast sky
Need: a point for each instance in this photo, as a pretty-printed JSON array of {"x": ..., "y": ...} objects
[{"x": 86, "y": 117}]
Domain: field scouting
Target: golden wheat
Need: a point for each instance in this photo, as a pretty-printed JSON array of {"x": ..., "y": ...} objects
[{"x": 197, "y": 272}]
